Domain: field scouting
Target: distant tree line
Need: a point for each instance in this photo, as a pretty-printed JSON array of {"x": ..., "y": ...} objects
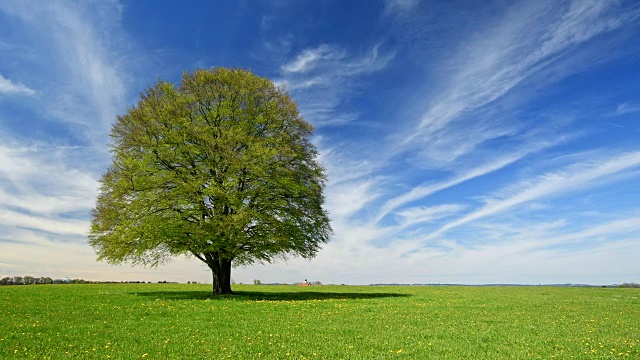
[
  {"x": 258, "y": 282},
  {"x": 630, "y": 285},
  {"x": 32, "y": 280}
]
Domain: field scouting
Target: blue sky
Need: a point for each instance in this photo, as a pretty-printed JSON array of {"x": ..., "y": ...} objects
[{"x": 465, "y": 142}]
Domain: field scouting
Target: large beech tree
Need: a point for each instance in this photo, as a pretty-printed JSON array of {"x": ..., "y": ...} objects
[{"x": 220, "y": 168}]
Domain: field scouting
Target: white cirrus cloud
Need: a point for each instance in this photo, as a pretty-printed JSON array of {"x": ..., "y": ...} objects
[
  {"x": 84, "y": 76},
  {"x": 322, "y": 80},
  {"x": 15, "y": 219},
  {"x": 626, "y": 108},
  {"x": 420, "y": 214},
  {"x": 530, "y": 39},
  {"x": 574, "y": 178},
  {"x": 423, "y": 190},
  {"x": 514, "y": 49},
  {"x": 308, "y": 58},
  {"x": 9, "y": 87},
  {"x": 399, "y": 6}
]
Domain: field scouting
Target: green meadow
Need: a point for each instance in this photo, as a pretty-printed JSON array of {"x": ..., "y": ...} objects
[{"x": 174, "y": 321}]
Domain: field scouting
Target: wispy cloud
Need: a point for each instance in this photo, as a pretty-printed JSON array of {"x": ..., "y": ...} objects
[
  {"x": 424, "y": 190},
  {"x": 526, "y": 40},
  {"x": 551, "y": 241},
  {"x": 399, "y": 6},
  {"x": 32, "y": 200},
  {"x": 626, "y": 108},
  {"x": 530, "y": 38},
  {"x": 346, "y": 199},
  {"x": 340, "y": 166},
  {"x": 421, "y": 214},
  {"x": 64, "y": 189},
  {"x": 322, "y": 79},
  {"x": 595, "y": 235},
  {"x": 58, "y": 226},
  {"x": 48, "y": 177},
  {"x": 306, "y": 60},
  {"x": 83, "y": 77},
  {"x": 9, "y": 87},
  {"x": 574, "y": 178}
]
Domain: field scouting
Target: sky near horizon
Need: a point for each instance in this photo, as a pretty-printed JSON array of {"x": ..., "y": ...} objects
[{"x": 465, "y": 142}]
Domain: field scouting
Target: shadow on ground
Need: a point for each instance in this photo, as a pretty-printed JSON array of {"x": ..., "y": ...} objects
[{"x": 264, "y": 295}]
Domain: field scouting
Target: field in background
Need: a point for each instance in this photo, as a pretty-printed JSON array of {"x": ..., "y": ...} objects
[{"x": 160, "y": 321}]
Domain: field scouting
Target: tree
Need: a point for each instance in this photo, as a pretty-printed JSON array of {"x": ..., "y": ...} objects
[{"x": 220, "y": 168}]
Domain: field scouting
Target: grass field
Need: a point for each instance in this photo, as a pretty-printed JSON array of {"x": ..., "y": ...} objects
[{"x": 170, "y": 321}]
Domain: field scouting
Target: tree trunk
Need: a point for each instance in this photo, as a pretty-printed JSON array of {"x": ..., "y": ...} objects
[
  {"x": 221, "y": 274},
  {"x": 225, "y": 277}
]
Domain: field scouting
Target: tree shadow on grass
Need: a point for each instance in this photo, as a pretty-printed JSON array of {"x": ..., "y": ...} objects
[{"x": 265, "y": 295}]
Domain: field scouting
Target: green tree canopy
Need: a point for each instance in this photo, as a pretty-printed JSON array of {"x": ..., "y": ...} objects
[{"x": 220, "y": 168}]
